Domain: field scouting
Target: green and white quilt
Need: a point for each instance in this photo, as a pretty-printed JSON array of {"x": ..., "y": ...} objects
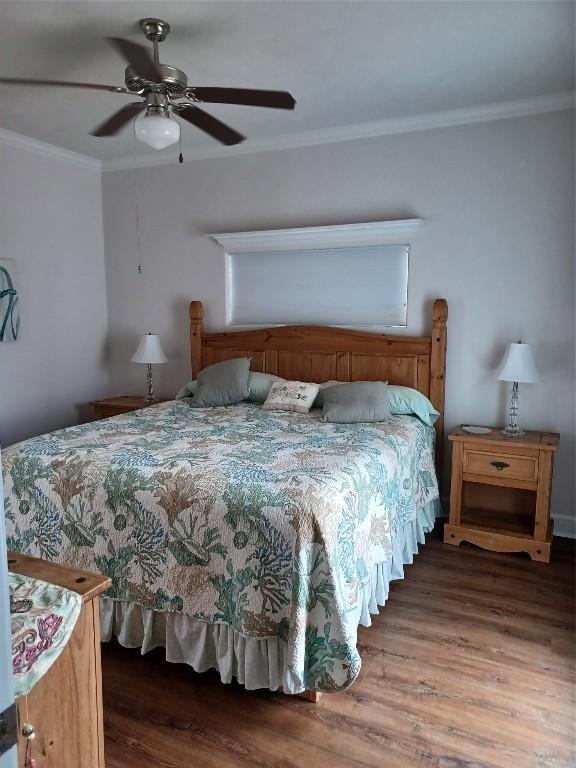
[{"x": 267, "y": 521}]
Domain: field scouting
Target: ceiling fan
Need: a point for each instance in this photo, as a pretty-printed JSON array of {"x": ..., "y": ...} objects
[{"x": 165, "y": 92}]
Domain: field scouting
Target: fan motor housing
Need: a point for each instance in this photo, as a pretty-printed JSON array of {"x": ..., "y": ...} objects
[{"x": 173, "y": 80}]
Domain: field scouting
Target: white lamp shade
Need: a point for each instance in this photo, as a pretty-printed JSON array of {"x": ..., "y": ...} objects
[
  {"x": 149, "y": 350},
  {"x": 518, "y": 364},
  {"x": 158, "y": 131}
]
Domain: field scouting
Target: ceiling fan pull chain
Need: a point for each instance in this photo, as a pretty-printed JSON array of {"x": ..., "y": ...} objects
[{"x": 180, "y": 156}]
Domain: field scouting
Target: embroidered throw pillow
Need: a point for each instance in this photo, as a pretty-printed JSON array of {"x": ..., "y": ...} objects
[{"x": 295, "y": 396}]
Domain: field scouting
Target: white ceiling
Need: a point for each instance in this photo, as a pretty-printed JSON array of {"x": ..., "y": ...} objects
[{"x": 346, "y": 63}]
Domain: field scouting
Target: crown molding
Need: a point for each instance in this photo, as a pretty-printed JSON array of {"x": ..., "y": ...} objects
[
  {"x": 389, "y": 127},
  {"x": 333, "y": 236},
  {"x": 450, "y": 118},
  {"x": 19, "y": 141}
]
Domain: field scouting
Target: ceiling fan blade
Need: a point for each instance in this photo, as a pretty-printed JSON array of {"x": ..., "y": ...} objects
[
  {"x": 138, "y": 57},
  {"x": 210, "y": 125},
  {"x": 119, "y": 119},
  {"x": 62, "y": 84},
  {"x": 246, "y": 96}
]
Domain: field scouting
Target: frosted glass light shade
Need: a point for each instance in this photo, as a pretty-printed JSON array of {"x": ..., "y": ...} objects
[
  {"x": 149, "y": 350},
  {"x": 158, "y": 131},
  {"x": 518, "y": 364}
]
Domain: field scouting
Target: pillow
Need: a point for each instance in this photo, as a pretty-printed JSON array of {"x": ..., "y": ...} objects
[
  {"x": 319, "y": 402},
  {"x": 410, "y": 402},
  {"x": 295, "y": 396},
  {"x": 259, "y": 385},
  {"x": 356, "y": 402},
  {"x": 223, "y": 383},
  {"x": 187, "y": 390}
]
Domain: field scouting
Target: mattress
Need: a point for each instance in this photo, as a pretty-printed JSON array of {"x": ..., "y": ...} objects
[{"x": 240, "y": 538}]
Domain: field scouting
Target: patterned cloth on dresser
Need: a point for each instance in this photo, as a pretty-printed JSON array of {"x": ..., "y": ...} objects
[{"x": 42, "y": 618}]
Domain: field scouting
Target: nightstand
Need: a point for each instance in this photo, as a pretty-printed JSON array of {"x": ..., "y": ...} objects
[
  {"x": 500, "y": 492},
  {"x": 114, "y": 406}
]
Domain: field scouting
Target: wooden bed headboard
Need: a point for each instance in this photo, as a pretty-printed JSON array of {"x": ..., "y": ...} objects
[{"x": 319, "y": 353}]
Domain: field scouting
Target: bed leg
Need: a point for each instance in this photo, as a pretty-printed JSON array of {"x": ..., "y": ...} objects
[{"x": 313, "y": 696}]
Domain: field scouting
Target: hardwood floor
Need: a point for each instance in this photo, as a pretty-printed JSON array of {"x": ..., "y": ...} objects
[{"x": 469, "y": 665}]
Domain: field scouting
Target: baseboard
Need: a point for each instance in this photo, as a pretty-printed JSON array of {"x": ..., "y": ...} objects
[{"x": 564, "y": 525}]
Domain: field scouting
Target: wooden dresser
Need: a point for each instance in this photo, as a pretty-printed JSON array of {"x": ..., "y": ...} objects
[{"x": 65, "y": 705}]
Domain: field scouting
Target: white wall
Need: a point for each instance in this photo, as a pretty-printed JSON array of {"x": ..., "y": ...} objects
[
  {"x": 51, "y": 225},
  {"x": 498, "y": 200}
]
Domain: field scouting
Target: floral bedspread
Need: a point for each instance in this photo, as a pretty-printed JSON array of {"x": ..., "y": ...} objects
[
  {"x": 42, "y": 618},
  {"x": 268, "y": 521}
]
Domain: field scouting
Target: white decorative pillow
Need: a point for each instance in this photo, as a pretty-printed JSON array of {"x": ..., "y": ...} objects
[{"x": 295, "y": 396}]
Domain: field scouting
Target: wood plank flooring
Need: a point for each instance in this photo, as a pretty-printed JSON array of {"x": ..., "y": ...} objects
[{"x": 469, "y": 665}]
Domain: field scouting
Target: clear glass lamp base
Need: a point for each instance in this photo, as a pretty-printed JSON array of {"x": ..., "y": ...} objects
[
  {"x": 150, "y": 396},
  {"x": 512, "y": 431}
]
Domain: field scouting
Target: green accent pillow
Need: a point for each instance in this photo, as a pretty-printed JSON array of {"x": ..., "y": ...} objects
[
  {"x": 259, "y": 385},
  {"x": 187, "y": 390},
  {"x": 222, "y": 383},
  {"x": 405, "y": 401},
  {"x": 356, "y": 402}
]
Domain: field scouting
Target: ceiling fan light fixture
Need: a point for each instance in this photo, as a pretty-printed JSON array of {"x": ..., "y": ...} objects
[
  {"x": 163, "y": 89},
  {"x": 156, "y": 128}
]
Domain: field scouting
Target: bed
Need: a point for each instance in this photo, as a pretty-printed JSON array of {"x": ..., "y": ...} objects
[{"x": 250, "y": 541}]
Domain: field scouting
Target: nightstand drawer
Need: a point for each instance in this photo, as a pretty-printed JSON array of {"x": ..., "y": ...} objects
[{"x": 501, "y": 465}]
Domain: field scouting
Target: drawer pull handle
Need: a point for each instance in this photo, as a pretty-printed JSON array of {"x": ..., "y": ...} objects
[{"x": 500, "y": 464}]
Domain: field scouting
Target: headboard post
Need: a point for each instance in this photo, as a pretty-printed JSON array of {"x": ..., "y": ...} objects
[
  {"x": 196, "y": 332},
  {"x": 438, "y": 375}
]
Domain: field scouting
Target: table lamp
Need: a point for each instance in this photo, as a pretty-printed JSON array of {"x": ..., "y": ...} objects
[
  {"x": 517, "y": 366},
  {"x": 149, "y": 351}
]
